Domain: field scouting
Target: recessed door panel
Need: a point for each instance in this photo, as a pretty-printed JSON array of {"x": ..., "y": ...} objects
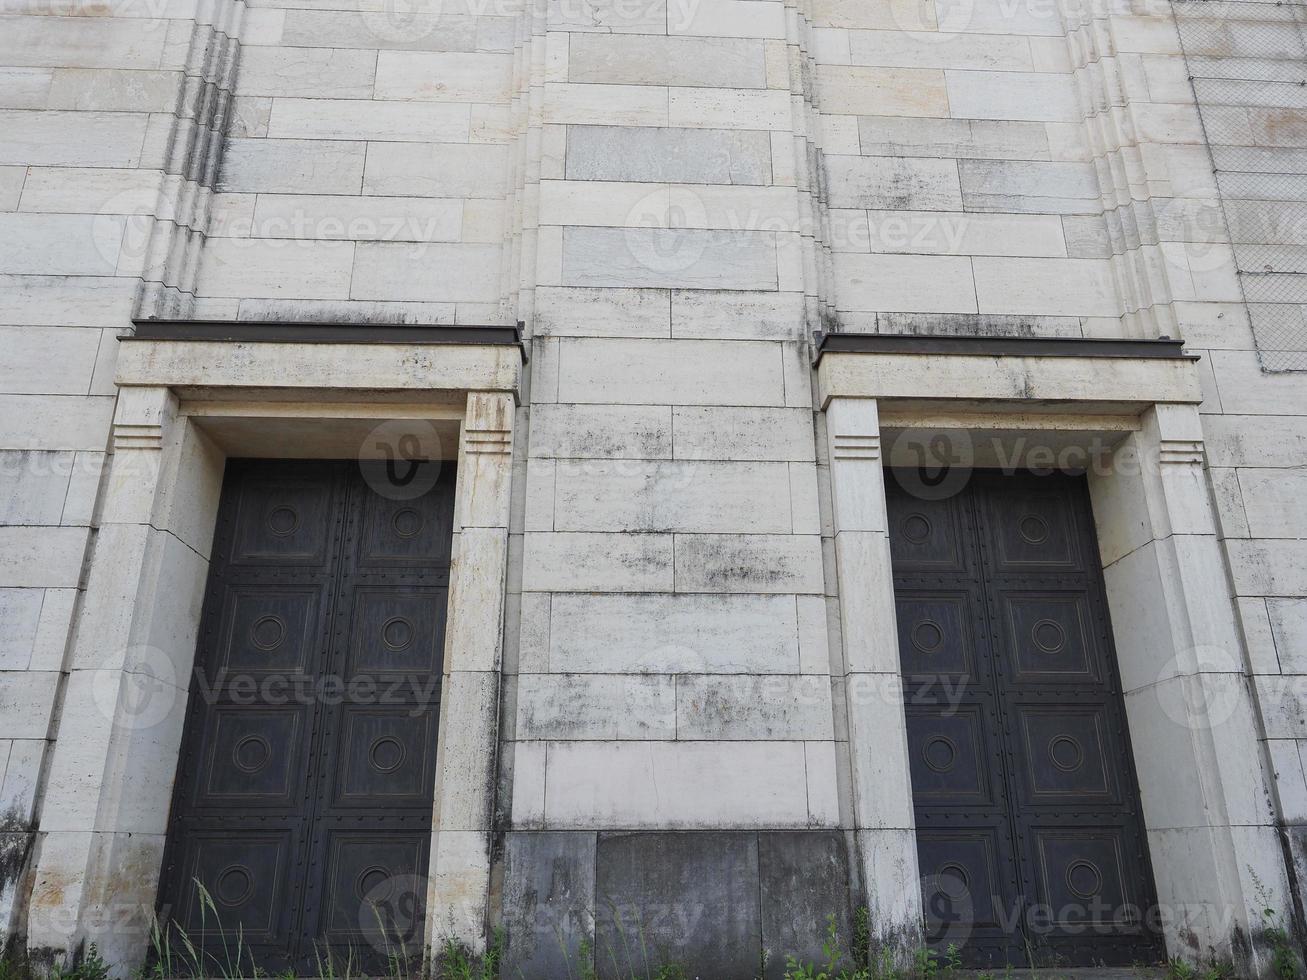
[
  {"x": 305, "y": 786},
  {"x": 1024, "y": 791}
]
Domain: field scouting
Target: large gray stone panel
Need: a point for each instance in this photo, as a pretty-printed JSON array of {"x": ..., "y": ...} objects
[
  {"x": 691, "y": 898},
  {"x": 804, "y": 878},
  {"x": 692, "y": 156},
  {"x": 549, "y": 881}
]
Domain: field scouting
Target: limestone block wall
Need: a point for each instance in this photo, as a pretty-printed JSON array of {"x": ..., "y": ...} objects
[
  {"x": 91, "y": 108},
  {"x": 960, "y": 173},
  {"x": 365, "y": 166},
  {"x": 671, "y": 194}
]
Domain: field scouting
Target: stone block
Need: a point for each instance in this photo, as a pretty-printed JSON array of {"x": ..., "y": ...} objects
[
  {"x": 41, "y": 557},
  {"x": 87, "y": 190},
  {"x": 579, "y": 311},
  {"x": 443, "y": 76},
  {"x": 726, "y": 18},
  {"x": 601, "y": 431},
  {"x": 596, "y": 707},
  {"x": 1272, "y": 499},
  {"x": 549, "y": 902},
  {"x": 736, "y": 315},
  {"x": 411, "y": 29},
  {"x": 668, "y": 257},
  {"x": 906, "y": 283},
  {"x": 676, "y": 785},
  {"x": 609, "y": 16},
  {"x": 436, "y": 170},
  {"x": 238, "y": 268},
  {"x": 313, "y": 73},
  {"x": 803, "y": 878},
  {"x": 25, "y": 88},
  {"x": 861, "y": 90},
  {"x": 48, "y": 360},
  {"x": 699, "y": 156},
  {"x": 27, "y": 703},
  {"x": 1026, "y": 186},
  {"x": 72, "y": 139},
  {"x": 690, "y": 898},
  {"x": 605, "y": 105},
  {"x": 292, "y": 166},
  {"x": 114, "y": 90},
  {"x": 678, "y": 372},
  {"x": 707, "y": 497},
  {"x": 653, "y": 60},
  {"x": 617, "y": 634},
  {"x": 34, "y": 487},
  {"x": 743, "y": 433},
  {"x": 20, "y": 616},
  {"x": 60, "y": 244},
  {"x": 894, "y": 182},
  {"x": 1288, "y": 625},
  {"x": 775, "y": 707},
  {"x": 1028, "y": 96},
  {"x": 730, "y": 108},
  {"x": 570, "y": 562},
  {"x": 465, "y": 758},
  {"x": 913, "y": 49},
  {"x": 82, "y": 42},
  {"x": 425, "y": 272},
  {"x": 364, "y": 218},
  {"x": 1269, "y": 567},
  {"x": 977, "y": 139},
  {"x": 1086, "y": 287},
  {"x": 472, "y": 636},
  {"x": 360, "y": 119},
  {"x": 754, "y": 563},
  {"x": 42, "y": 422}
]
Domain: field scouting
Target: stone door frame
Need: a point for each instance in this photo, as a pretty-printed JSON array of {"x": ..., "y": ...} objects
[
  {"x": 1131, "y": 415},
  {"x": 184, "y": 406}
]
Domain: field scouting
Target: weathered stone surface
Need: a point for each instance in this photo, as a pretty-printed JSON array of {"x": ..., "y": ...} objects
[
  {"x": 549, "y": 902},
  {"x": 804, "y": 877},
  {"x": 692, "y": 898},
  {"x": 696, "y": 156}
]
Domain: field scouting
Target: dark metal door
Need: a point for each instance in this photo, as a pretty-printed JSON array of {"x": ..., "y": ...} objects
[
  {"x": 1029, "y": 834},
  {"x": 303, "y": 799}
]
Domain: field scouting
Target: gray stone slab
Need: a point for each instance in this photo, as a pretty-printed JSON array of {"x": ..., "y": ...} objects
[
  {"x": 691, "y": 156},
  {"x": 549, "y": 897},
  {"x": 688, "y": 898},
  {"x": 804, "y": 877}
]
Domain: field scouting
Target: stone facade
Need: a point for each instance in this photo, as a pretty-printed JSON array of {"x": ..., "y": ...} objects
[{"x": 673, "y": 568}]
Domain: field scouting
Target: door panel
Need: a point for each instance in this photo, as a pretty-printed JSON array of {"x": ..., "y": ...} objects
[
  {"x": 1030, "y": 839},
  {"x": 304, "y": 790}
]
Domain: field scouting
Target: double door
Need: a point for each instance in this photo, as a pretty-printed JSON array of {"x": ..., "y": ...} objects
[
  {"x": 1029, "y": 835},
  {"x": 302, "y": 809}
]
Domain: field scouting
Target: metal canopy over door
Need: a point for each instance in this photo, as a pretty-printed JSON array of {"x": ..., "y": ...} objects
[
  {"x": 1029, "y": 834},
  {"x": 303, "y": 797}
]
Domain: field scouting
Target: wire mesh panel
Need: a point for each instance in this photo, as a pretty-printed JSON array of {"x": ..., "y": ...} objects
[{"x": 1247, "y": 60}]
